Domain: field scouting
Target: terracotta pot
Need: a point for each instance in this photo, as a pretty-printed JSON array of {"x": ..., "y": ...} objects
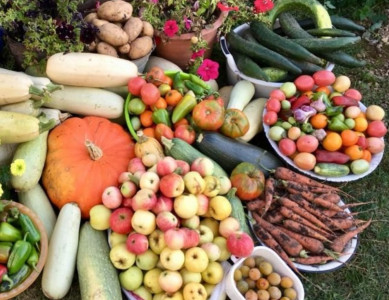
[{"x": 177, "y": 48}]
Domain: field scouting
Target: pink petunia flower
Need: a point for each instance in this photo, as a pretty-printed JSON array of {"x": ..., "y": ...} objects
[
  {"x": 262, "y": 6},
  {"x": 170, "y": 28},
  {"x": 199, "y": 53},
  {"x": 223, "y": 7},
  {"x": 154, "y": 1},
  {"x": 188, "y": 23},
  {"x": 208, "y": 70}
]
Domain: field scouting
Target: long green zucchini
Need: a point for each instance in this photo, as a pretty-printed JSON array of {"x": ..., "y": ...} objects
[
  {"x": 333, "y": 32},
  {"x": 337, "y": 21},
  {"x": 249, "y": 67},
  {"x": 238, "y": 211},
  {"x": 324, "y": 45},
  {"x": 291, "y": 27},
  {"x": 343, "y": 59},
  {"x": 229, "y": 152},
  {"x": 287, "y": 47}
]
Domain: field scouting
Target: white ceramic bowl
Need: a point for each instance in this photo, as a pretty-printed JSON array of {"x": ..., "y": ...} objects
[
  {"x": 262, "y": 88},
  {"x": 279, "y": 266}
]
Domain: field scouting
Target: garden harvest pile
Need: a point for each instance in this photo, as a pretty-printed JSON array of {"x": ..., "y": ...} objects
[{"x": 154, "y": 185}]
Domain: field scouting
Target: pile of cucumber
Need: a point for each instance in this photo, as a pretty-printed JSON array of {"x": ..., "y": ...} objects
[{"x": 296, "y": 47}]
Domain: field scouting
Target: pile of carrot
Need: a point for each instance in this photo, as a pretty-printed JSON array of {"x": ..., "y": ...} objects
[{"x": 301, "y": 219}]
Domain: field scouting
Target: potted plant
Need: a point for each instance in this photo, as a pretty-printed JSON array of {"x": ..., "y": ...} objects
[
  {"x": 36, "y": 29},
  {"x": 185, "y": 31}
]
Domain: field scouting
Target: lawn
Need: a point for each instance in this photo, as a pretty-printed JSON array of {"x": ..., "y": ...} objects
[{"x": 365, "y": 276}]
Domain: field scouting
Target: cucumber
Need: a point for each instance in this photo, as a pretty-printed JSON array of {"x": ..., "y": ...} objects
[
  {"x": 275, "y": 74},
  {"x": 97, "y": 276},
  {"x": 343, "y": 59},
  {"x": 260, "y": 53},
  {"x": 333, "y": 32},
  {"x": 306, "y": 67},
  {"x": 319, "y": 45},
  {"x": 331, "y": 170},
  {"x": 337, "y": 21},
  {"x": 249, "y": 67},
  {"x": 230, "y": 152},
  {"x": 34, "y": 155},
  {"x": 179, "y": 149},
  {"x": 291, "y": 27},
  {"x": 238, "y": 211},
  {"x": 269, "y": 39},
  {"x": 313, "y": 7}
]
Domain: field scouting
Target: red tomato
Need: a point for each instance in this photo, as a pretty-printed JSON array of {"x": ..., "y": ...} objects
[
  {"x": 362, "y": 142},
  {"x": 149, "y": 93},
  {"x": 278, "y": 94},
  {"x": 323, "y": 78},
  {"x": 270, "y": 118},
  {"x": 135, "y": 84},
  {"x": 156, "y": 75},
  {"x": 163, "y": 130},
  {"x": 208, "y": 115},
  {"x": 353, "y": 93},
  {"x": 304, "y": 83},
  {"x": 273, "y": 104},
  {"x": 218, "y": 99},
  {"x": 376, "y": 129},
  {"x": 307, "y": 143},
  {"x": 248, "y": 180},
  {"x": 287, "y": 146},
  {"x": 185, "y": 132}
]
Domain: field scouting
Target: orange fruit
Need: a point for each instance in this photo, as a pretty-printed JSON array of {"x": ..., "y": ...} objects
[
  {"x": 324, "y": 89},
  {"x": 146, "y": 118},
  {"x": 349, "y": 137},
  {"x": 318, "y": 121},
  {"x": 305, "y": 161},
  {"x": 354, "y": 151},
  {"x": 366, "y": 155},
  {"x": 360, "y": 124},
  {"x": 332, "y": 141},
  {"x": 149, "y": 131},
  {"x": 173, "y": 97},
  {"x": 160, "y": 104}
]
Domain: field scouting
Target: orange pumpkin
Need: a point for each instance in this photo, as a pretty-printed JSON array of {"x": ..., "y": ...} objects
[{"x": 84, "y": 156}]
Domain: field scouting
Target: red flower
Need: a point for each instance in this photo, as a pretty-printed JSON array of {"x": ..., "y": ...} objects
[
  {"x": 223, "y": 7},
  {"x": 170, "y": 28},
  {"x": 261, "y": 6},
  {"x": 199, "y": 53},
  {"x": 208, "y": 70}
]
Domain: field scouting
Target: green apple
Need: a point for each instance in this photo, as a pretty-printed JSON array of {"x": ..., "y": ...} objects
[
  {"x": 150, "y": 280},
  {"x": 159, "y": 296},
  {"x": 196, "y": 259},
  {"x": 206, "y": 234},
  {"x": 188, "y": 276},
  {"x": 214, "y": 273},
  {"x": 186, "y": 205},
  {"x": 209, "y": 288},
  {"x": 195, "y": 291},
  {"x": 147, "y": 260},
  {"x": 157, "y": 241},
  {"x": 172, "y": 259},
  {"x": 143, "y": 293},
  {"x": 213, "y": 251},
  {"x": 175, "y": 296},
  {"x": 120, "y": 257},
  {"x": 131, "y": 278},
  {"x": 289, "y": 89},
  {"x": 116, "y": 238},
  {"x": 219, "y": 207},
  {"x": 194, "y": 183},
  {"x": 221, "y": 242},
  {"x": 99, "y": 217},
  {"x": 211, "y": 223},
  {"x": 143, "y": 221},
  {"x": 170, "y": 281}
]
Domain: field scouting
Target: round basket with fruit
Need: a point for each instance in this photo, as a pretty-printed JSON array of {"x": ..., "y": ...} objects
[{"x": 319, "y": 125}]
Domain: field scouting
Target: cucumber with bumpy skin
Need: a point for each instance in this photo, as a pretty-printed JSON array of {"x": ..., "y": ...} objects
[
  {"x": 343, "y": 59},
  {"x": 324, "y": 45},
  {"x": 291, "y": 27},
  {"x": 331, "y": 169},
  {"x": 249, "y": 67},
  {"x": 238, "y": 211},
  {"x": 333, "y": 32}
]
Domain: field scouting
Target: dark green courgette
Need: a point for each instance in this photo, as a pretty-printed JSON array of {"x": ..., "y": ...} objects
[
  {"x": 230, "y": 152},
  {"x": 332, "y": 32},
  {"x": 291, "y": 27},
  {"x": 319, "y": 45},
  {"x": 306, "y": 67},
  {"x": 238, "y": 211},
  {"x": 287, "y": 47},
  {"x": 343, "y": 59},
  {"x": 249, "y": 67},
  {"x": 260, "y": 53},
  {"x": 337, "y": 21},
  {"x": 275, "y": 74},
  {"x": 248, "y": 36}
]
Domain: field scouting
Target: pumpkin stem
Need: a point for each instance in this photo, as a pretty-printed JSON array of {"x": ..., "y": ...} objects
[{"x": 95, "y": 152}]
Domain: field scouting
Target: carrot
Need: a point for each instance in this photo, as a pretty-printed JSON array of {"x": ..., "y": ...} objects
[
  {"x": 310, "y": 244},
  {"x": 340, "y": 242},
  {"x": 304, "y": 230},
  {"x": 331, "y": 197},
  {"x": 287, "y": 174},
  {"x": 349, "y": 205},
  {"x": 302, "y": 212},
  {"x": 269, "y": 191},
  {"x": 274, "y": 217},
  {"x": 290, "y": 245},
  {"x": 289, "y": 214},
  {"x": 269, "y": 241},
  {"x": 255, "y": 205},
  {"x": 342, "y": 224},
  {"x": 313, "y": 260}
]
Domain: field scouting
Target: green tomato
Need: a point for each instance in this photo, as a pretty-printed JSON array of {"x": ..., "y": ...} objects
[
  {"x": 136, "y": 106},
  {"x": 289, "y": 89},
  {"x": 350, "y": 123},
  {"x": 340, "y": 117},
  {"x": 359, "y": 166},
  {"x": 285, "y": 104},
  {"x": 135, "y": 121},
  {"x": 276, "y": 133},
  {"x": 286, "y": 125}
]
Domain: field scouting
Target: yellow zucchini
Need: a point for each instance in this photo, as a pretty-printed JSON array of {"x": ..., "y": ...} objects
[
  {"x": 90, "y": 70},
  {"x": 87, "y": 101},
  {"x": 241, "y": 94},
  {"x": 19, "y": 128},
  {"x": 62, "y": 254},
  {"x": 37, "y": 200},
  {"x": 27, "y": 107},
  {"x": 253, "y": 112},
  {"x": 34, "y": 155}
]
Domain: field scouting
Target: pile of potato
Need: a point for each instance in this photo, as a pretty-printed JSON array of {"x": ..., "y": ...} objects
[{"x": 120, "y": 34}]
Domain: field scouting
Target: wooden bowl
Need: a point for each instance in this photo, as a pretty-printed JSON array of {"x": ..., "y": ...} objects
[{"x": 43, "y": 252}]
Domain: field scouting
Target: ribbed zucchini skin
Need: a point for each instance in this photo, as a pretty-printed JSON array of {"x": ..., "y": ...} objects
[
  {"x": 229, "y": 152},
  {"x": 97, "y": 276}
]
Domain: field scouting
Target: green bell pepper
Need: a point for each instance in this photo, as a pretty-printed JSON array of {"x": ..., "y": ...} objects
[
  {"x": 20, "y": 253},
  {"x": 9, "y": 233},
  {"x": 335, "y": 124},
  {"x": 333, "y": 111},
  {"x": 161, "y": 116}
]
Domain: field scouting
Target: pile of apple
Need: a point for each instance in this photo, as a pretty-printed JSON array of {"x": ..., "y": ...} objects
[{"x": 170, "y": 228}]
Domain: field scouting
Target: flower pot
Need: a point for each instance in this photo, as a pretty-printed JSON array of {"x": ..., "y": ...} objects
[{"x": 177, "y": 48}]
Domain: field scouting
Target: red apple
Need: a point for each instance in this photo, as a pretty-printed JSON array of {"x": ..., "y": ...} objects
[
  {"x": 128, "y": 189},
  {"x": 120, "y": 220},
  {"x": 353, "y": 93},
  {"x": 182, "y": 167},
  {"x": 137, "y": 243},
  {"x": 192, "y": 237},
  {"x": 172, "y": 185},
  {"x": 362, "y": 142},
  {"x": 144, "y": 199},
  {"x": 127, "y": 202},
  {"x": 203, "y": 165},
  {"x": 163, "y": 204},
  {"x": 240, "y": 244},
  {"x": 136, "y": 165},
  {"x": 203, "y": 202},
  {"x": 149, "y": 180},
  {"x": 124, "y": 176},
  {"x": 175, "y": 238},
  {"x": 166, "y": 166},
  {"x": 112, "y": 198},
  {"x": 166, "y": 220}
]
